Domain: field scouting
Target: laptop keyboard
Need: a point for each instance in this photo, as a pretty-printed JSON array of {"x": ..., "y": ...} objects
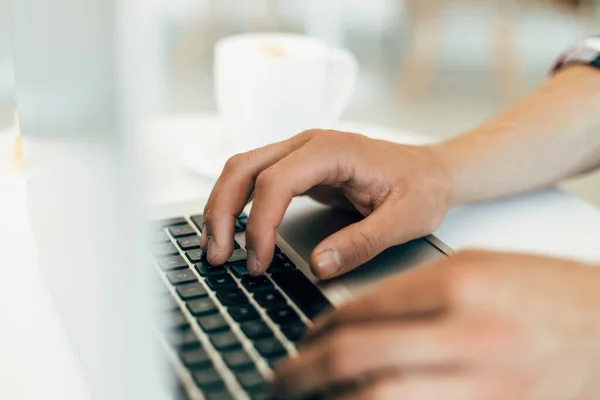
[{"x": 226, "y": 329}]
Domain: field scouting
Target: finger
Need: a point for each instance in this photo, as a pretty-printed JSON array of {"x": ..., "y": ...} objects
[
  {"x": 426, "y": 291},
  {"x": 360, "y": 242},
  {"x": 366, "y": 350},
  {"x": 232, "y": 191},
  {"x": 275, "y": 188},
  {"x": 421, "y": 387},
  {"x": 355, "y": 244}
]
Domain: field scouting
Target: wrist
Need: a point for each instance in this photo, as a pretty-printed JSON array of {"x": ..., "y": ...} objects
[{"x": 444, "y": 155}]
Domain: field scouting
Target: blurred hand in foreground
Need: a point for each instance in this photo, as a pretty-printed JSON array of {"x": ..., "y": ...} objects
[{"x": 479, "y": 325}]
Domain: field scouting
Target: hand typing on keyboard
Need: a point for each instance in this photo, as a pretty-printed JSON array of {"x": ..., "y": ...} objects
[
  {"x": 403, "y": 191},
  {"x": 479, "y": 325}
]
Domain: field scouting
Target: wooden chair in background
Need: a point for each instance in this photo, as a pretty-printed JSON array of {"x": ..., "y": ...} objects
[{"x": 428, "y": 18}]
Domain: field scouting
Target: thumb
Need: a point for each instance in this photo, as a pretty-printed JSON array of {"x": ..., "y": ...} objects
[{"x": 357, "y": 243}]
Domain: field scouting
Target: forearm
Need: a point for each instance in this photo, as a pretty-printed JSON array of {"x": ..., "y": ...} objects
[{"x": 552, "y": 134}]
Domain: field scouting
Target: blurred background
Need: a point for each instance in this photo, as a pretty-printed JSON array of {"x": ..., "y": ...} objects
[{"x": 435, "y": 67}]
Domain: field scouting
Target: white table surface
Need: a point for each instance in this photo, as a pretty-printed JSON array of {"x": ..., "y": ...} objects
[{"x": 35, "y": 361}]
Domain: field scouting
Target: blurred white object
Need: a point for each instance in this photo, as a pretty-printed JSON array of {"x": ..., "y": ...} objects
[
  {"x": 87, "y": 74},
  {"x": 272, "y": 86},
  {"x": 36, "y": 360}
]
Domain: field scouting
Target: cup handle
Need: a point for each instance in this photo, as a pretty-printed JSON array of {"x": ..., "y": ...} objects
[{"x": 343, "y": 74}]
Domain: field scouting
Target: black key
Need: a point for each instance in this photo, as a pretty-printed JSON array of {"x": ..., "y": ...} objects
[
  {"x": 250, "y": 379},
  {"x": 195, "y": 358},
  {"x": 256, "y": 329},
  {"x": 260, "y": 394},
  {"x": 237, "y": 359},
  {"x": 283, "y": 315},
  {"x": 208, "y": 379},
  {"x": 225, "y": 341},
  {"x": 281, "y": 263},
  {"x": 181, "y": 276},
  {"x": 237, "y": 255},
  {"x": 205, "y": 269},
  {"x": 189, "y": 243},
  {"x": 221, "y": 282},
  {"x": 159, "y": 237},
  {"x": 236, "y": 245},
  {"x": 294, "y": 331},
  {"x": 198, "y": 220},
  {"x": 302, "y": 292},
  {"x": 239, "y": 268},
  {"x": 220, "y": 394},
  {"x": 191, "y": 291},
  {"x": 243, "y": 313},
  {"x": 269, "y": 347},
  {"x": 276, "y": 250},
  {"x": 163, "y": 223},
  {"x": 256, "y": 283},
  {"x": 270, "y": 299},
  {"x": 172, "y": 263},
  {"x": 239, "y": 228},
  {"x": 182, "y": 231},
  {"x": 203, "y": 306},
  {"x": 195, "y": 255},
  {"x": 232, "y": 298},
  {"x": 213, "y": 323},
  {"x": 164, "y": 250}
]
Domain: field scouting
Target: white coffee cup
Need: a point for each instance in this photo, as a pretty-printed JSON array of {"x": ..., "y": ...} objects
[{"x": 271, "y": 86}]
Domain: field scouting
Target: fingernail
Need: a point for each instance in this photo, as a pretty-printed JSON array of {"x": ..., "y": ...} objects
[
  {"x": 329, "y": 262},
  {"x": 253, "y": 264},
  {"x": 213, "y": 248}
]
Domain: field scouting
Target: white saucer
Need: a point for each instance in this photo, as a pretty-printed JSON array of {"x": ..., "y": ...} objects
[{"x": 204, "y": 147}]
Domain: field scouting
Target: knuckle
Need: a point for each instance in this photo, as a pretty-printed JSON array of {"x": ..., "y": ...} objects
[
  {"x": 309, "y": 133},
  {"x": 491, "y": 336},
  {"x": 316, "y": 133},
  {"x": 458, "y": 277},
  {"x": 467, "y": 275},
  {"x": 266, "y": 179},
  {"x": 235, "y": 162},
  {"x": 322, "y": 137},
  {"x": 208, "y": 216}
]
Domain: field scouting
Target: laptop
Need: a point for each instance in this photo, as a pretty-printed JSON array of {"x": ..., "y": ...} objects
[
  {"x": 228, "y": 328},
  {"x": 146, "y": 316}
]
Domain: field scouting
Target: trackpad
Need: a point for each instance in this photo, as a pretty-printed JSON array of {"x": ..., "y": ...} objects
[{"x": 307, "y": 223}]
